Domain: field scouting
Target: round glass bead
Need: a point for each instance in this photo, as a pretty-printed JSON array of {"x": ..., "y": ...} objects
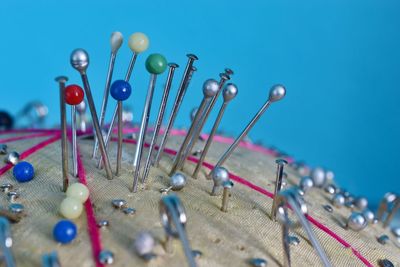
[
  {"x": 73, "y": 94},
  {"x": 120, "y": 90},
  {"x": 23, "y": 172},
  {"x": 156, "y": 64},
  {"x": 71, "y": 208},
  {"x": 78, "y": 191},
  {"x": 64, "y": 231},
  {"x": 138, "y": 42}
]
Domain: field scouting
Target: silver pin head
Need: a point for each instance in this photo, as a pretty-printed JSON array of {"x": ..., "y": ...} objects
[
  {"x": 16, "y": 208},
  {"x": 383, "y": 239},
  {"x": 306, "y": 183},
  {"x": 12, "y": 158},
  {"x": 119, "y": 203},
  {"x": 12, "y": 196},
  {"x": 356, "y": 221},
  {"x": 277, "y": 92},
  {"x": 318, "y": 176},
  {"x": 129, "y": 211},
  {"x": 229, "y": 92},
  {"x": 61, "y": 79},
  {"x": 177, "y": 181},
  {"x": 116, "y": 41},
  {"x": 369, "y": 215},
  {"x": 338, "y": 200},
  {"x": 79, "y": 60},
  {"x": 294, "y": 240},
  {"x": 144, "y": 244},
  {"x": 106, "y": 257},
  {"x": 385, "y": 263},
  {"x": 328, "y": 208},
  {"x": 6, "y": 187},
  {"x": 396, "y": 231},
  {"x": 3, "y": 149},
  {"x": 257, "y": 262},
  {"x": 210, "y": 88},
  {"x": 219, "y": 175},
  {"x": 103, "y": 224},
  {"x": 361, "y": 203},
  {"x": 330, "y": 189}
]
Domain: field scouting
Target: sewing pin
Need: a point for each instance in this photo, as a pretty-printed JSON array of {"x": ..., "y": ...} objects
[
  {"x": 80, "y": 62},
  {"x": 6, "y": 242},
  {"x": 160, "y": 117},
  {"x": 210, "y": 89},
  {"x": 280, "y": 164},
  {"x": 116, "y": 42},
  {"x": 229, "y": 93},
  {"x": 225, "y": 195},
  {"x": 219, "y": 175},
  {"x": 155, "y": 65},
  {"x": 73, "y": 96},
  {"x": 276, "y": 93},
  {"x": 63, "y": 120},
  {"x": 177, "y": 103}
]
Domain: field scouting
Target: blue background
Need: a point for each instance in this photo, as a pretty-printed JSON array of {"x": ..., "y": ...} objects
[{"x": 339, "y": 60}]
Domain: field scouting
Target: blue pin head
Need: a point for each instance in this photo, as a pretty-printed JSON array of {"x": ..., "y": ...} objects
[{"x": 120, "y": 90}]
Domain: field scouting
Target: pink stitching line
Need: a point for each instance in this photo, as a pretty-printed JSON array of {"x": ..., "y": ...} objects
[
  {"x": 24, "y": 137},
  {"x": 94, "y": 233},
  {"x": 30, "y": 151},
  {"x": 50, "y": 131},
  {"x": 265, "y": 192}
]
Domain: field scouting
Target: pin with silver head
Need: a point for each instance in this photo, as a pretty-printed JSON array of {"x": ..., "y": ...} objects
[
  {"x": 210, "y": 89},
  {"x": 280, "y": 164},
  {"x": 176, "y": 183},
  {"x": 155, "y": 65},
  {"x": 6, "y": 242},
  {"x": 227, "y": 185},
  {"x": 306, "y": 183},
  {"x": 12, "y": 158},
  {"x": 63, "y": 121},
  {"x": 356, "y": 221},
  {"x": 338, "y": 200},
  {"x": 388, "y": 207},
  {"x": 116, "y": 42},
  {"x": 73, "y": 96},
  {"x": 106, "y": 257},
  {"x": 80, "y": 61},
  {"x": 160, "y": 118},
  {"x": 189, "y": 70},
  {"x": 50, "y": 260},
  {"x": 219, "y": 176},
  {"x": 276, "y": 93},
  {"x": 3, "y": 149},
  {"x": 319, "y": 177},
  {"x": 144, "y": 244},
  {"x": 203, "y": 119},
  {"x": 6, "y": 187},
  {"x": 173, "y": 219},
  {"x": 229, "y": 92}
]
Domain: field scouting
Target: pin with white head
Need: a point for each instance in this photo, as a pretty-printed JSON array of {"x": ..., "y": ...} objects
[
  {"x": 160, "y": 118},
  {"x": 223, "y": 78},
  {"x": 80, "y": 61},
  {"x": 276, "y": 93},
  {"x": 63, "y": 122},
  {"x": 176, "y": 183},
  {"x": 156, "y": 64},
  {"x": 74, "y": 95},
  {"x": 210, "y": 89},
  {"x": 280, "y": 164},
  {"x": 229, "y": 92},
  {"x": 116, "y": 42},
  {"x": 219, "y": 176},
  {"x": 189, "y": 70},
  {"x": 6, "y": 242}
]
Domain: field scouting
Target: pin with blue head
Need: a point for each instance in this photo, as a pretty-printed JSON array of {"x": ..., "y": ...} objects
[
  {"x": 156, "y": 64},
  {"x": 64, "y": 231},
  {"x": 23, "y": 172},
  {"x": 120, "y": 90}
]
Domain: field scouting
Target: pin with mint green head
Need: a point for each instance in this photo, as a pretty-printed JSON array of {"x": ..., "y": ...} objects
[{"x": 155, "y": 64}]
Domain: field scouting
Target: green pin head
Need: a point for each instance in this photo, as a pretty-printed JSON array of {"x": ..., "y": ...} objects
[{"x": 156, "y": 64}]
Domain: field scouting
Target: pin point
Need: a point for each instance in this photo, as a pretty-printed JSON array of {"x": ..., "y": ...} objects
[
  {"x": 160, "y": 117},
  {"x": 155, "y": 65},
  {"x": 280, "y": 164},
  {"x": 73, "y": 96},
  {"x": 210, "y": 89},
  {"x": 203, "y": 119},
  {"x": 63, "y": 120},
  {"x": 276, "y": 93},
  {"x": 177, "y": 103},
  {"x": 116, "y": 42},
  {"x": 80, "y": 61},
  {"x": 230, "y": 91},
  {"x": 6, "y": 242}
]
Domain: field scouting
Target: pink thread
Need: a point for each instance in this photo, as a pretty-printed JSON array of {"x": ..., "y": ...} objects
[
  {"x": 30, "y": 151},
  {"x": 50, "y": 131},
  {"x": 91, "y": 219},
  {"x": 17, "y": 138}
]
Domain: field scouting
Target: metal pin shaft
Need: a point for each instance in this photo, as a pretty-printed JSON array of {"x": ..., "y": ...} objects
[
  {"x": 74, "y": 142},
  {"x": 109, "y": 133},
  {"x": 177, "y": 103},
  {"x": 160, "y": 117},
  {"x": 278, "y": 185},
  {"x": 225, "y": 197},
  {"x": 120, "y": 135}
]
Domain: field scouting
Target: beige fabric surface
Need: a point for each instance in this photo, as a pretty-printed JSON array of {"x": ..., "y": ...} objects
[{"x": 225, "y": 239}]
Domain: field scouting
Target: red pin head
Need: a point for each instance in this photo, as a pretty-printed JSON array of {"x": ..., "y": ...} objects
[{"x": 74, "y": 94}]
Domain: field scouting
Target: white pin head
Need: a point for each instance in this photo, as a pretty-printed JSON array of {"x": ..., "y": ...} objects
[
  {"x": 138, "y": 42},
  {"x": 116, "y": 41},
  {"x": 210, "y": 88},
  {"x": 229, "y": 92},
  {"x": 277, "y": 92},
  {"x": 79, "y": 60}
]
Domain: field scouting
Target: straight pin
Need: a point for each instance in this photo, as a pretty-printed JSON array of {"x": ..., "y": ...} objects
[
  {"x": 160, "y": 117},
  {"x": 155, "y": 65},
  {"x": 230, "y": 91},
  {"x": 73, "y": 96},
  {"x": 6, "y": 242},
  {"x": 210, "y": 89},
  {"x": 202, "y": 122},
  {"x": 225, "y": 195},
  {"x": 116, "y": 42},
  {"x": 278, "y": 185},
  {"x": 276, "y": 93},
  {"x": 177, "y": 103},
  {"x": 80, "y": 62},
  {"x": 63, "y": 120}
]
